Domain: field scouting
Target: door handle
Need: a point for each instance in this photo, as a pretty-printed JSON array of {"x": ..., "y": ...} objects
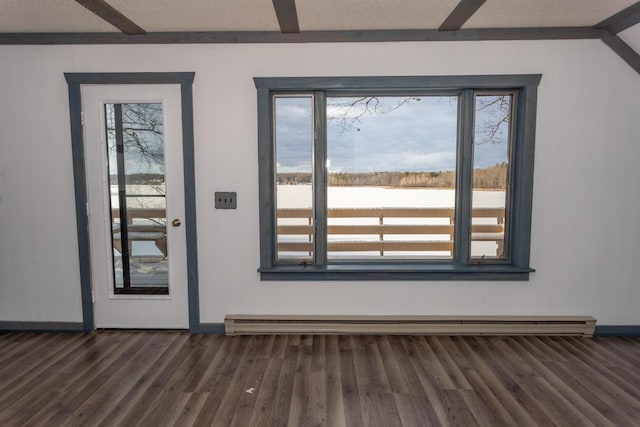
[{"x": 176, "y": 222}]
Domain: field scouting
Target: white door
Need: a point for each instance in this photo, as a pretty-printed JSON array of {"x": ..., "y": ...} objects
[{"x": 133, "y": 157}]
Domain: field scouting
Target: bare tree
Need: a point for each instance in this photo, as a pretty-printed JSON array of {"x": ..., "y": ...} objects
[
  {"x": 143, "y": 141},
  {"x": 142, "y": 126},
  {"x": 495, "y": 122},
  {"x": 351, "y": 110}
]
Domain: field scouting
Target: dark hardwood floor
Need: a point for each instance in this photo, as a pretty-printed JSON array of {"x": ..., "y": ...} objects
[{"x": 173, "y": 378}]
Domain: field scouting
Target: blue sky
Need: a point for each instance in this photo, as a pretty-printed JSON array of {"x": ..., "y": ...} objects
[{"x": 391, "y": 134}]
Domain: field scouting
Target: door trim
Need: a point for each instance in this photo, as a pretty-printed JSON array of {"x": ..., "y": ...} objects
[{"x": 185, "y": 80}]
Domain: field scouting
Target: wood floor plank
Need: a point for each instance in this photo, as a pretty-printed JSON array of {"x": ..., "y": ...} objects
[
  {"x": 626, "y": 386},
  {"x": 236, "y": 391},
  {"x": 600, "y": 354},
  {"x": 622, "y": 347},
  {"x": 9, "y": 342},
  {"x": 527, "y": 398},
  {"x": 372, "y": 381},
  {"x": 27, "y": 397},
  {"x": 79, "y": 375},
  {"x": 427, "y": 357},
  {"x": 333, "y": 383},
  {"x": 457, "y": 410},
  {"x": 300, "y": 398},
  {"x": 583, "y": 386},
  {"x": 490, "y": 401},
  {"x": 423, "y": 412},
  {"x": 188, "y": 414},
  {"x": 220, "y": 368},
  {"x": 615, "y": 366},
  {"x": 152, "y": 378},
  {"x": 253, "y": 382},
  {"x": 397, "y": 381},
  {"x": 316, "y": 385},
  {"x": 263, "y": 409},
  {"x": 29, "y": 356},
  {"x": 25, "y": 345},
  {"x": 163, "y": 411},
  {"x": 565, "y": 391},
  {"x": 120, "y": 380},
  {"x": 55, "y": 410},
  {"x": 198, "y": 363},
  {"x": 147, "y": 388},
  {"x": 350, "y": 395},
  {"x": 37, "y": 397},
  {"x": 615, "y": 394},
  {"x": 413, "y": 411},
  {"x": 505, "y": 393},
  {"x": 447, "y": 360},
  {"x": 430, "y": 381},
  {"x": 33, "y": 374},
  {"x": 560, "y": 410},
  {"x": 284, "y": 388}
]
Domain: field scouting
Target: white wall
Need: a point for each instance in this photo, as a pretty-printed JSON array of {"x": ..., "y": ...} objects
[{"x": 586, "y": 233}]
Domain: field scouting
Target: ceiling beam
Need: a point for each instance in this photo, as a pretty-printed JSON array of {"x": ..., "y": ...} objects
[
  {"x": 622, "y": 20},
  {"x": 623, "y": 50},
  {"x": 461, "y": 14},
  {"x": 287, "y": 16},
  {"x": 112, "y": 16},
  {"x": 555, "y": 33}
]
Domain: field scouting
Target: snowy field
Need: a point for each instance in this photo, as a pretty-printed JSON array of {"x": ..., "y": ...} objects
[{"x": 300, "y": 196}]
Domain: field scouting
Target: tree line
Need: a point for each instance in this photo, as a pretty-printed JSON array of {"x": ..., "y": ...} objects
[
  {"x": 493, "y": 177},
  {"x": 140, "y": 179}
]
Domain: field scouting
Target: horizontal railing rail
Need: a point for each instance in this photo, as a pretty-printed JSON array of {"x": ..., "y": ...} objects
[
  {"x": 351, "y": 237},
  {"x": 141, "y": 232}
]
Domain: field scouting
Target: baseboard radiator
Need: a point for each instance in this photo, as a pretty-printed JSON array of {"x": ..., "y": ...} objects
[{"x": 237, "y": 324}]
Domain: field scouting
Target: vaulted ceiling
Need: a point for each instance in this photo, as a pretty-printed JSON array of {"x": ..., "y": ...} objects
[{"x": 616, "y": 22}]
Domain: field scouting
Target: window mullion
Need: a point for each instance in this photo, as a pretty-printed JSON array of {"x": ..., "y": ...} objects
[
  {"x": 464, "y": 177},
  {"x": 267, "y": 160},
  {"x": 320, "y": 177}
]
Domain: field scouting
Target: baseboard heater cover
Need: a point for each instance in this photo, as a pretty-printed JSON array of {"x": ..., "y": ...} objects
[{"x": 239, "y": 324}]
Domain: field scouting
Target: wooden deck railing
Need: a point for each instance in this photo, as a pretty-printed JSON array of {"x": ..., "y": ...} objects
[
  {"x": 156, "y": 233},
  {"x": 351, "y": 237}
]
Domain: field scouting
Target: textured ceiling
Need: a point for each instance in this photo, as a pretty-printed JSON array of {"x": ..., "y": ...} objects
[
  {"x": 258, "y": 15},
  {"x": 372, "y": 14},
  {"x": 544, "y": 13},
  {"x": 49, "y": 16},
  {"x": 200, "y": 15}
]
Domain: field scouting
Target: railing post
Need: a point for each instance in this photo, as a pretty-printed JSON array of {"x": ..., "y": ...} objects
[
  {"x": 381, "y": 223},
  {"x": 310, "y": 222}
]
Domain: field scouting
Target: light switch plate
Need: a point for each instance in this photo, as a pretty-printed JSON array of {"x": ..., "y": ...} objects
[{"x": 226, "y": 199}]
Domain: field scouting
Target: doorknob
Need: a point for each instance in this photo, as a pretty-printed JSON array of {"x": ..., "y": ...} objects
[{"x": 176, "y": 222}]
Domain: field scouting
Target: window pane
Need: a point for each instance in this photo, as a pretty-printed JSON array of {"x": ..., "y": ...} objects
[
  {"x": 490, "y": 175},
  {"x": 294, "y": 171},
  {"x": 135, "y": 144},
  {"x": 391, "y": 176}
]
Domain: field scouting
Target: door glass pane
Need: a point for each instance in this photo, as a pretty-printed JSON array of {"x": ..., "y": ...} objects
[
  {"x": 135, "y": 145},
  {"x": 391, "y": 164},
  {"x": 294, "y": 171},
  {"x": 490, "y": 175}
]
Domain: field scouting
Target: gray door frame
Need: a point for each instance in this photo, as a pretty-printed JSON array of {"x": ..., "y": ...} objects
[{"x": 185, "y": 80}]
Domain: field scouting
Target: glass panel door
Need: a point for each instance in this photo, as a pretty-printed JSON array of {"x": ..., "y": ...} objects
[{"x": 136, "y": 164}]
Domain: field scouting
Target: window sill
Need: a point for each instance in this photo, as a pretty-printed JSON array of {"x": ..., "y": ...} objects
[{"x": 364, "y": 272}]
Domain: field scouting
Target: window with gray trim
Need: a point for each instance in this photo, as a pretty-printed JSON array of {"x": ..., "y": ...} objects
[{"x": 396, "y": 178}]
